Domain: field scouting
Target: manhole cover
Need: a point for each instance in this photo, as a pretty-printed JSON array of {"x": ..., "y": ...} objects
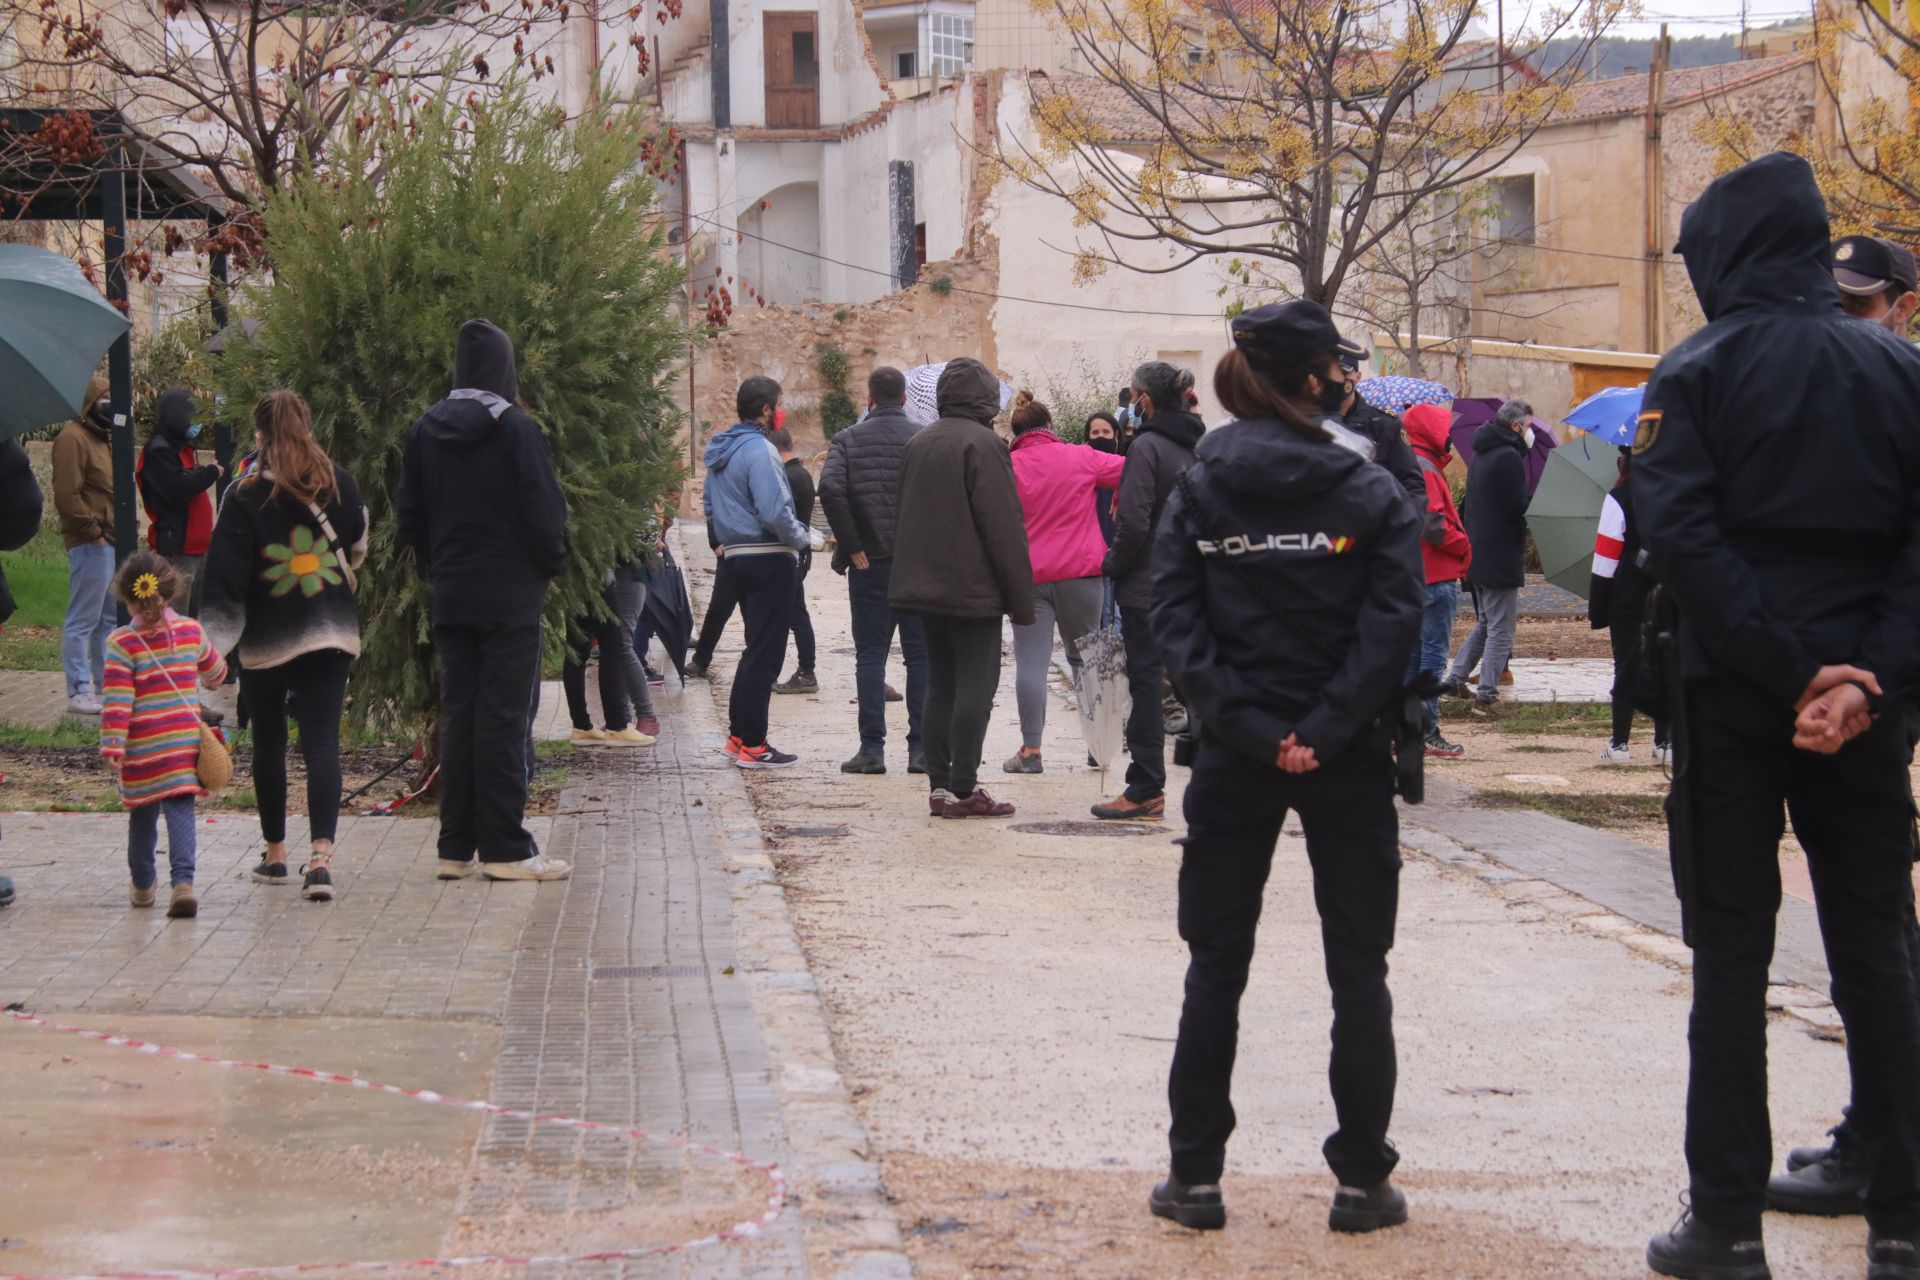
[
  {"x": 1109, "y": 830},
  {"x": 818, "y": 833},
  {"x": 619, "y": 972}
]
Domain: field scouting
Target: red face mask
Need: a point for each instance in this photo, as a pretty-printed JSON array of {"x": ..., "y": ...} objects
[{"x": 779, "y": 419}]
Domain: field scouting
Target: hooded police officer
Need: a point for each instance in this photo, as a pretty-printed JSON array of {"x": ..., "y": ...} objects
[
  {"x": 1777, "y": 486},
  {"x": 1287, "y": 594}
]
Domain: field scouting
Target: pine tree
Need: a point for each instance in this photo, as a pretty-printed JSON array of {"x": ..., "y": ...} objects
[{"x": 429, "y": 215}]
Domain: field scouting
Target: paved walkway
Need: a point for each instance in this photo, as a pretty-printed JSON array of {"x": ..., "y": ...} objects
[{"x": 617, "y": 996}]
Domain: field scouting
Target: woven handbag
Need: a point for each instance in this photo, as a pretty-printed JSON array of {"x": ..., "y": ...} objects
[{"x": 214, "y": 766}]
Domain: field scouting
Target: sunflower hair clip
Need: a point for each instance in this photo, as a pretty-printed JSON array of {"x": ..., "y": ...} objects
[{"x": 146, "y": 587}]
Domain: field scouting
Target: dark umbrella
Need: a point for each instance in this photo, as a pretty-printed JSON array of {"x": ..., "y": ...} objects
[{"x": 668, "y": 612}]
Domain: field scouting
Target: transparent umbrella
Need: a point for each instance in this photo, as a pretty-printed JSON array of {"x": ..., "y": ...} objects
[{"x": 1105, "y": 697}]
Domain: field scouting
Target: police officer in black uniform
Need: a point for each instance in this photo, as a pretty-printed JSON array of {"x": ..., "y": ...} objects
[
  {"x": 1287, "y": 593},
  {"x": 1777, "y": 485},
  {"x": 1877, "y": 283},
  {"x": 1388, "y": 433}
]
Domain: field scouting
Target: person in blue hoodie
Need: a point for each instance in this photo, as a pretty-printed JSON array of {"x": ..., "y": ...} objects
[
  {"x": 482, "y": 511},
  {"x": 751, "y": 523}
]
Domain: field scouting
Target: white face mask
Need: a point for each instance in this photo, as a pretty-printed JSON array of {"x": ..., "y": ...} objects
[{"x": 1528, "y": 437}]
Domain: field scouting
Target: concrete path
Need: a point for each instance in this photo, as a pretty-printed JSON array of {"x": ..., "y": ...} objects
[
  {"x": 624, "y": 995},
  {"x": 1004, "y": 996}
]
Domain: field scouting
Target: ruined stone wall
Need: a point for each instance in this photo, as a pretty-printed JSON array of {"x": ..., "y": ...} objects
[{"x": 916, "y": 326}]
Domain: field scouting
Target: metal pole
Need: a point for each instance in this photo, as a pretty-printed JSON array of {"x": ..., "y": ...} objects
[
  {"x": 113, "y": 217},
  {"x": 217, "y": 309}
]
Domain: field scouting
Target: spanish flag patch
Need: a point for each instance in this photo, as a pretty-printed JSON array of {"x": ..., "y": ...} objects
[{"x": 1646, "y": 431}]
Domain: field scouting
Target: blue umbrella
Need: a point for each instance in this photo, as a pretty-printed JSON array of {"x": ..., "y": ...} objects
[
  {"x": 1609, "y": 414},
  {"x": 54, "y": 328}
]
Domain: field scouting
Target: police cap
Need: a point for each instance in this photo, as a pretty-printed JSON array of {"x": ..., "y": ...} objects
[
  {"x": 1284, "y": 330},
  {"x": 1866, "y": 265}
]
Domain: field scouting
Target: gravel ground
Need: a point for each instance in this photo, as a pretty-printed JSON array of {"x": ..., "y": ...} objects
[{"x": 1004, "y": 1002}]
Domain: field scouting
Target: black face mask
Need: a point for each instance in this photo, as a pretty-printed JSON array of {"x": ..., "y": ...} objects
[
  {"x": 1104, "y": 444},
  {"x": 1332, "y": 395}
]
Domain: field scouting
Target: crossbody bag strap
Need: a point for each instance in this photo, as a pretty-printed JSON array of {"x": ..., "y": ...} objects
[
  {"x": 333, "y": 540},
  {"x": 161, "y": 662}
]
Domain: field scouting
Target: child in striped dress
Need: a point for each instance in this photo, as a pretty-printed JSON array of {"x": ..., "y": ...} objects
[{"x": 150, "y": 723}]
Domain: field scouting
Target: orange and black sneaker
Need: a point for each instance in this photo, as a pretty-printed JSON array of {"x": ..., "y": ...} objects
[
  {"x": 764, "y": 756},
  {"x": 731, "y": 747},
  {"x": 1127, "y": 810}
]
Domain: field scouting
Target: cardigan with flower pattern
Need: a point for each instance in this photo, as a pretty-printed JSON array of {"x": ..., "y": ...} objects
[{"x": 275, "y": 583}]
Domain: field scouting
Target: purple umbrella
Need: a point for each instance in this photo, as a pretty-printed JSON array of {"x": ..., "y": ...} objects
[{"x": 1471, "y": 415}]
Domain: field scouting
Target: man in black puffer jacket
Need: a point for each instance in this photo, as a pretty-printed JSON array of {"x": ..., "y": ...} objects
[
  {"x": 1495, "y": 514},
  {"x": 1160, "y": 454},
  {"x": 860, "y": 489},
  {"x": 482, "y": 511},
  {"x": 21, "y": 506}
]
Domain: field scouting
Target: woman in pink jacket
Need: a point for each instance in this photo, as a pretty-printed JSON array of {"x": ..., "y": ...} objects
[{"x": 1057, "y": 482}]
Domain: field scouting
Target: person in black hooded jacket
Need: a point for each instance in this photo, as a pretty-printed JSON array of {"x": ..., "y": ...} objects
[
  {"x": 482, "y": 511},
  {"x": 1288, "y": 592},
  {"x": 21, "y": 506},
  {"x": 1161, "y": 451},
  {"x": 176, "y": 491},
  {"x": 1776, "y": 479}
]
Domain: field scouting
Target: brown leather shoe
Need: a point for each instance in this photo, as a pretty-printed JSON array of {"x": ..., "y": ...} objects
[
  {"x": 977, "y": 805},
  {"x": 1125, "y": 810},
  {"x": 937, "y": 802}
]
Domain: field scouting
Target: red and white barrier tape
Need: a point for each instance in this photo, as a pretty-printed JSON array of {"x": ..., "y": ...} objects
[{"x": 776, "y": 1197}]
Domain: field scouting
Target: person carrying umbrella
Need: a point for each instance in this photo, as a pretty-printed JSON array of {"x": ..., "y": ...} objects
[
  {"x": 1287, "y": 595},
  {"x": 21, "y": 505},
  {"x": 1496, "y": 521},
  {"x": 1616, "y": 603}
]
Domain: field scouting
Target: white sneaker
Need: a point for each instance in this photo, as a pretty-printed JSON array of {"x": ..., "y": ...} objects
[
  {"x": 452, "y": 869},
  {"x": 1617, "y": 753},
  {"x": 538, "y": 867},
  {"x": 629, "y": 737},
  {"x": 83, "y": 704},
  {"x": 1662, "y": 752}
]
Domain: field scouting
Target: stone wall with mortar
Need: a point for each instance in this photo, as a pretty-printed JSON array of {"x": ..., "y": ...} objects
[{"x": 916, "y": 326}]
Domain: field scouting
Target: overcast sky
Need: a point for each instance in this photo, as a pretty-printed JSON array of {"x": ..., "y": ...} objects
[{"x": 1683, "y": 17}]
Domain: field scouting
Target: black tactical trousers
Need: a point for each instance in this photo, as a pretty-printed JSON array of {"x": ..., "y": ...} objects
[
  {"x": 1739, "y": 771},
  {"x": 1234, "y": 807}
]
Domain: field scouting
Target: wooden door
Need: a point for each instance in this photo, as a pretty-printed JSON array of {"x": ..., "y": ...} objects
[{"x": 793, "y": 70}]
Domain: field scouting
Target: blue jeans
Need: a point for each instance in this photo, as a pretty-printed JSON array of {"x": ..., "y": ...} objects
[
  {"x": 143, "y": 833},
  {"x": 91, "y": 616},
  {"x": 1436, "y": 640},
  {"x": 873, "y": 625}
]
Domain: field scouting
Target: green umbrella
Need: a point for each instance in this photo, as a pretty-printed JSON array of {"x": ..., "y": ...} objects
[
  {"x": 54, "y": 328},
  {"x": 1565, "y": 512}
]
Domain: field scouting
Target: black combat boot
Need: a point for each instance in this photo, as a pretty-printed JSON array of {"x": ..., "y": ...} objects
[
  {"x": 1198, "y": 1207},
  {"x": 1833, "y": 1186},
  {"x": 1893, "y": 1257},
  {"x": 1357, "y": 1209},
  {"x": 1696, "y": 1250}
]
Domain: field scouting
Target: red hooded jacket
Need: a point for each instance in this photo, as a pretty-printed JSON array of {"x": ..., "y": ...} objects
[{"x": 1443, "y": 538}]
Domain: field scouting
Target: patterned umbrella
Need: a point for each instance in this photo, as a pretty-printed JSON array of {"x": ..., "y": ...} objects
[
  {"x": 1396, "y": 394},
  {"x": 923, "y": 385}
]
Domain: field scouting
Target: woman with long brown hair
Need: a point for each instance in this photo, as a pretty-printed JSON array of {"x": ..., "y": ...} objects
[
  {"x": 280, "y": 585},
  {"x": 1287, "y": 593}
]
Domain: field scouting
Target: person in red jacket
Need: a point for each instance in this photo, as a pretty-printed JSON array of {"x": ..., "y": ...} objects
[
  {"x": 1446, "y": 552},
  {"x": 177, "y": 493}
]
